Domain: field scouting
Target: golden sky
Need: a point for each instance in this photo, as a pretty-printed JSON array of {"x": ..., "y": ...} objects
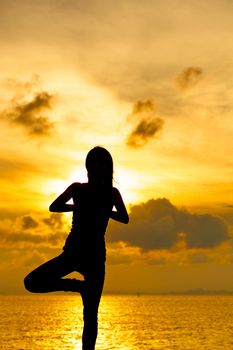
[{"x": 152, "y": 82}]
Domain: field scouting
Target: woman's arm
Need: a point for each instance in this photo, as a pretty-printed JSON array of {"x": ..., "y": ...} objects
[
  {"x": 60, "y": 204},
  {"x": 120, "y": 214}
]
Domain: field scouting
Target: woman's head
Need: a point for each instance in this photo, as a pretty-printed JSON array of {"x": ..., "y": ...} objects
[{"x": 99, "y": 165}]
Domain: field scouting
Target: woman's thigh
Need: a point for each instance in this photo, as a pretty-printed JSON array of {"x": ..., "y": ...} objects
[{"x": 55, "y": 268}]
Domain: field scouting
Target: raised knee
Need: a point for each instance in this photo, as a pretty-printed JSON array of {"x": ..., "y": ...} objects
[{"x": 28, "y": 284}]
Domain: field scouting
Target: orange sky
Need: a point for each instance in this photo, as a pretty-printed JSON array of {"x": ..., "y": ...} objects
[{"x": 152, "y": 82}]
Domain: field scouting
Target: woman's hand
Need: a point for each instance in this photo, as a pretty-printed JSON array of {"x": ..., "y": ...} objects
[
  {"x": 60, "y": 204},
  {"x": 120, "y": 214}
]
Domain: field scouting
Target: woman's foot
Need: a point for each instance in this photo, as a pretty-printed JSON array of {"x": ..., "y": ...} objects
[{"x": 74, "y": 285}]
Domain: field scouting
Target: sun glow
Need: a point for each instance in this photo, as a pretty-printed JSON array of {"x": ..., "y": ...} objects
[
  {"x": 54, "y": 186},
  {"x": 131, "y": 184}
]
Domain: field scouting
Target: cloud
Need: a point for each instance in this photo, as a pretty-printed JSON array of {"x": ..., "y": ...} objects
[
  {"x": 34, "y": 231},
  {"x": 143, "y": 132},
  {"x": 28, "y": 222},
  {"x": 158, "y": 233},
  {"x": 54, "y": 221},
  {"x": 142, "y": 107},
  {"x": 122, "y": 253},
  {"x": 29, "y": 115},
  {"x": 189, "y": 77},
  {"x": 147, "y": 124},
  {"x": 155, "y": 225},
  {"x": 23, "y": 237},
  {"x": 20, "y": 88},
  {"x": 27, "y": 108},
  {"x": 158, "y": 224},
  {"x": 198, "y": 257}
]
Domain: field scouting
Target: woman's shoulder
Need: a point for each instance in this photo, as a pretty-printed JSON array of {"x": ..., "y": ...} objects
[
  {"x": 75, "y": 186},
  {"x": 115, "y": 191}
]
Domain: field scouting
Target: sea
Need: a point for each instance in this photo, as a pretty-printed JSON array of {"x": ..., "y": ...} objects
[{"x": 126, "y": 322}]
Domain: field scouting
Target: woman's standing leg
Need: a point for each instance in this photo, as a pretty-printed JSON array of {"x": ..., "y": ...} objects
[
  {"x": 48, "y": 277},
  {"x": 94, "y": 282}
]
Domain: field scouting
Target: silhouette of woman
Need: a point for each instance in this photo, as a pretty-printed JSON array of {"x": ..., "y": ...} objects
[{"x": 84, "y": 250}]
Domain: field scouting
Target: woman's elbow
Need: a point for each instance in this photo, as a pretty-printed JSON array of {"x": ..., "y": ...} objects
[
  {"x": 52, "y": 208},
  {"x": 125, "y": 219}
]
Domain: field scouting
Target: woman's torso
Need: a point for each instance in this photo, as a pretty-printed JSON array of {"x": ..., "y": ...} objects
[{"x": 92, "y": 208}]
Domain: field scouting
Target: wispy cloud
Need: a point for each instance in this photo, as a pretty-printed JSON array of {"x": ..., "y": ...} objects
[
  {"x": 27, "y": 109},
  {"x": 148, "y": 124},
  {"x": 189, "y": 77}
]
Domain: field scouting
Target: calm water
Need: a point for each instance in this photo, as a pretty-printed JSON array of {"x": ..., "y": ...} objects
[{"x": 54, "y": 322}]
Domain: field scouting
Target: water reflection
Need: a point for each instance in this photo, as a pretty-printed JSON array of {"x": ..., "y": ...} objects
[{"x": 54, "y": 322}]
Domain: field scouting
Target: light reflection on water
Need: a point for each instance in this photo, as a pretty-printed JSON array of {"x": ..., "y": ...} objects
[{"x": 52, "y": 322}]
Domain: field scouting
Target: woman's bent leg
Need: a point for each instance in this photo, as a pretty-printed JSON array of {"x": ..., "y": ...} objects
[
  {"x": 48, "y": 277},
  {"x": 91, "y": 299}
]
